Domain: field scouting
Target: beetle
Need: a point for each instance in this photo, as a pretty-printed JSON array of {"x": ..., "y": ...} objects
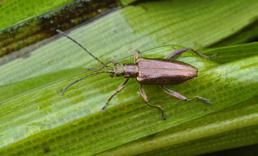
[{"x": 147, "y": 71}]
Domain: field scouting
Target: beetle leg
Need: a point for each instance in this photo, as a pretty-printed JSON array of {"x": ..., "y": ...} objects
[
  {"x": 204, "y": 100},
  {"x": 175, "y": 94},
  {"x": 145, "y": 98},
  {"x": 173, "y": 55},
  {"x": 181, "y": 97},
  {"x": 119, "y": 89}
]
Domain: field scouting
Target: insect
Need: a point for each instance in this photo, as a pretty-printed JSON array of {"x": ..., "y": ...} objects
[{"x": 148, "y": 72}]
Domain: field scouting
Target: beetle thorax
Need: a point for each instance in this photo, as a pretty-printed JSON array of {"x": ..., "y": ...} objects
[{"x": 126, "y": 70}]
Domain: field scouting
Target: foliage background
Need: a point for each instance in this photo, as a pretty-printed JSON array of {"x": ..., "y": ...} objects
[{"x": 36, "y": 120}]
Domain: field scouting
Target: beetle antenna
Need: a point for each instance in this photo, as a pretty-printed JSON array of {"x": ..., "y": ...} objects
[
  {"x": 85, "y": 49},
  {"x": 76, "y": 81}
]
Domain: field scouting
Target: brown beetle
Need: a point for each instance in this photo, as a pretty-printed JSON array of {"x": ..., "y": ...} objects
[{"x": 149, "y": 72}]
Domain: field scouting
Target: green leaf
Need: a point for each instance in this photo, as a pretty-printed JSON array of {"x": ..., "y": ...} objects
[
  {"x": 130, "y": 120},
  {"x": 35, "y": 25},
  {"x": 248, "y": 34},
  {"x": 232, "y": 53},
  {"x": 126, "y": 2},
  {"x": 233, "y": 127},
  {"x": 16, "y": 11},
  {"x": 122, "y": 32},
  {"x": 35, "y": 119}
]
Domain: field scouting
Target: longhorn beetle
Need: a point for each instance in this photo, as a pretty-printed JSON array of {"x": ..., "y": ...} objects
[{"x": 147, "y": 72}]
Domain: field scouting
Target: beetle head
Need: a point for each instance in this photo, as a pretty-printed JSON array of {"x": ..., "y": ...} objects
[{"x": 118, "y": 70}]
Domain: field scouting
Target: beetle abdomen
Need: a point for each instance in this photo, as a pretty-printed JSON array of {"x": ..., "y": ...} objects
[{"x": 164, "y": 72}]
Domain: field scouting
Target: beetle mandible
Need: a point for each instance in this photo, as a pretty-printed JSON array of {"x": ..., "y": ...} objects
[{"x": 149, "y": 72}]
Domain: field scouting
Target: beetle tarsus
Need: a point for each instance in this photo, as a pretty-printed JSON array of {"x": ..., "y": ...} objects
[
  {"x": 119, "y": 89},
  {"x": 145, "y": 98},
  {"x": 204, "y": 100},
  {"x": 188, "y": 100}
]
